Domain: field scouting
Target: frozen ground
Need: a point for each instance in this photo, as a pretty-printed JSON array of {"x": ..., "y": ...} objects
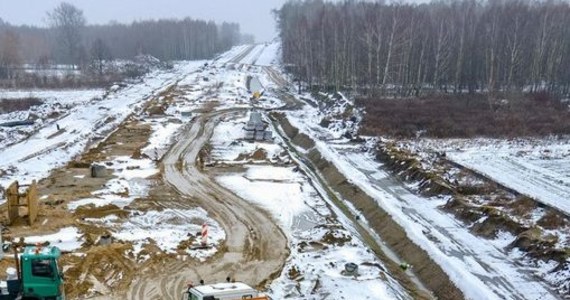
[
  {"x": 56, "y": 104},
  {"x": 314, "y": 270},
  {"x": 538, "y": 169},
  {"x": 270, "y": 55},
  {"x": 481, "y": 269},
  {"x": 66, "y": 239},
  {"x": 47, "y": 148}
]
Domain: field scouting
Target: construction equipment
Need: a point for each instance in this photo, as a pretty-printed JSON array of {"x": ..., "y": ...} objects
[
  {"x": 223, "y": 291},
  {"x": 38, "y": 276}
]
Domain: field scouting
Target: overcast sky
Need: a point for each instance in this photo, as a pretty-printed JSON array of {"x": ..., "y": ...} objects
[{"x": 254, "y": 16}]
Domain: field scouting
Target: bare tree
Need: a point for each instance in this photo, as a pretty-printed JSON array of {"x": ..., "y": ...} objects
[
  {"x": 464, "y": 46},
  {"x": 100, "y": 53},
  {"x": 68, "y": 23},
  {"x": 9, "y": 54}
]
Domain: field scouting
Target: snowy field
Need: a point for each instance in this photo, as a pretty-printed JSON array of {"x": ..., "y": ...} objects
[
  {"x": 481, "y": 269},
  {"x": 321, "y": 241},
  {"x": 538, "y": 169},
  {"x": 64, "y": 97},
  {"x": 315, "y": 268},
  {"x": 56, "y": 104},
  {"x": 252, "y": 57},
  {"x": 48, "y": 148},
  {"x": 270, "y": 55}
]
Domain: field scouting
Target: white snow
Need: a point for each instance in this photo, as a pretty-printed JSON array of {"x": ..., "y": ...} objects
[
  {"x": 66, "y": 239},
  {"x": 270, "y": 55},
  {"x": 227, "y": 142},
  {"x": 286, "y": 197},
  {"x": 229, "y": 55},
  {"x": 46, "y": 149},
  {"x": 55, "y": 104},
  {"x": 544, "y": 178},
  {"x": 253, "y": 55},
  {"x": 129, "y": 183},
  {"x": 161, "y": 138},
  {"x": 480, "y": 270},
  {"x": 63, "y": 97},
  {"x": 168, "y": 228},
  {"x": 299, "y": 209}
]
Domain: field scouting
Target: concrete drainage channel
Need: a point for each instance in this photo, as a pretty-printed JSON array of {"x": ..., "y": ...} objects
[{"x": 382, "y": 234}]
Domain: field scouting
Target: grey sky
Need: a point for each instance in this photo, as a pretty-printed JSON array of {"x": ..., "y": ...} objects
[{"x": 254, "y": 16}]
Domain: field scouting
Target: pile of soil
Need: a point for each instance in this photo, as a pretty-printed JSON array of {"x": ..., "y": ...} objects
[
  {"x": 92, "y": 211},
  {"x": 106, "y": 267},
  {"x": 257, "y": 155},
  {"x": 484, "y": 206}
]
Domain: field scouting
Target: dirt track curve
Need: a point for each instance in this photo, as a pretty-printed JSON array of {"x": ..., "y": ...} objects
[{"x": 255, "y": 248}]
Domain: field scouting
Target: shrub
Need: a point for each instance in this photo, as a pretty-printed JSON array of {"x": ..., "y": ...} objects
[{"x": 465, "y": 116}]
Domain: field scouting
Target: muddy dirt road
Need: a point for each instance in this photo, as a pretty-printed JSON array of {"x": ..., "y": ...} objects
[{"x": 255, "y": 248}]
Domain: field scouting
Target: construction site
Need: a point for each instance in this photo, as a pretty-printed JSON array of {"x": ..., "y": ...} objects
[
  {"x": 198, "y": 188},
  {"x": 159, "y": 200}
]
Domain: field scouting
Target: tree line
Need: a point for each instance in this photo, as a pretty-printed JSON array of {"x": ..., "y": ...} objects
[
  {"x": 442, "y": 46},
  {"x": 68, "y": 39}
]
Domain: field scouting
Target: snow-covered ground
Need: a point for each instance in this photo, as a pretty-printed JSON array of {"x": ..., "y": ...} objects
[
  {"x": 230, "y": 54},
  {"x": 128, "y": 184},
  {"x": 321, "y": 241},
  {"x": 229, "y": 146},
  {"x": 66, "y": 239},
  {"x": 270, "y": 55},
  {"x": 315, "y": 268},
  {"x": 538, "y": 169},
  {"x": 480, "y": 269},
  {"x": 166, "y": 228},
  {"x": 55, "y": 105},
  {"x": 63, "y": 97},
  {"x": 48, "y": 147},
  {"x": 251, "y": 57}
]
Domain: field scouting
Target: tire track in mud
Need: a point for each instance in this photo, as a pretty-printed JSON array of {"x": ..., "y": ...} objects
[{"x": 255, "y": 248}]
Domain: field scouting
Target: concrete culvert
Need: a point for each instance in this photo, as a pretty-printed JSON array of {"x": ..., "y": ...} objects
[
  {"x": 350, "y": 269},
  {"x": 98, "y": 171}
]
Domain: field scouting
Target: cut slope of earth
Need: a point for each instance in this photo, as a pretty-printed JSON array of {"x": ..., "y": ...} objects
[
  {"x": 480, "y": 268},
  {"x": 538, "y": 172}
]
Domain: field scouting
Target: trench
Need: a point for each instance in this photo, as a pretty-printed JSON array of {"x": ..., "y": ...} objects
[{"x": 384, "y": 236}]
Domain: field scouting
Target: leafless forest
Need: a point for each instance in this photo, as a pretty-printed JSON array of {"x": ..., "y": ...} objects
[
  {"x": 68, "y": 39},
  {"x": 451, "y": 47}
]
